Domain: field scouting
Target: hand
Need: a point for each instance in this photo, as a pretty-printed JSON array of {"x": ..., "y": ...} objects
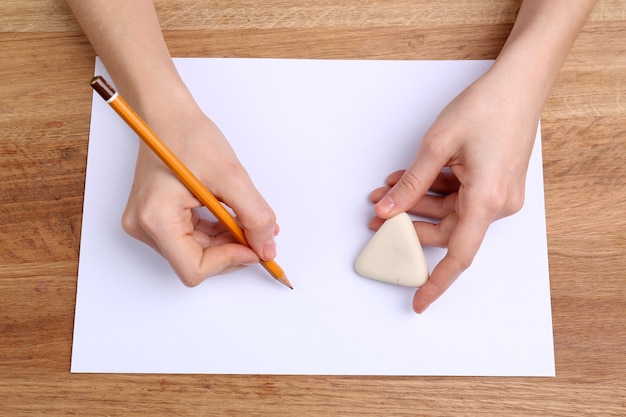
[
  {"x": 161, "y": 212},
  {"x": 484, "y": 139}
]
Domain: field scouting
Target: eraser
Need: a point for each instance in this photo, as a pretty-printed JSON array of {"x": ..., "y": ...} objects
[{"x": 394, "y": 254}]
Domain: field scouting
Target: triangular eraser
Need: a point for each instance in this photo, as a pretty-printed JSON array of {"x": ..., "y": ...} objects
[{"x": 394, "y": 254}]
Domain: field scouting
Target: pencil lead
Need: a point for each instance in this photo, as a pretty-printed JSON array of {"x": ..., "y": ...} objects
[{"x": 283, "y": 279}]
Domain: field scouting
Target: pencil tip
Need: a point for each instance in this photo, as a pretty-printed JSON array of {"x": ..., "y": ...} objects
[{"x": 286, "y": 282}]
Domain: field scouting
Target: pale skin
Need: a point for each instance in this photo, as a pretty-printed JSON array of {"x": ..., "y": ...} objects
[
  {"x": 160, "y": 211},
  {"x": 484, "y": 136}
]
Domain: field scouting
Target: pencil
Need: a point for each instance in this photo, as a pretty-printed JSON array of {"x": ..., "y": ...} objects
[{"x": 193, "y": 184}]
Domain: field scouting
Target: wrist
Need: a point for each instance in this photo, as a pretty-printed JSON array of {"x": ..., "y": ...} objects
[
  {"x": 167, "y": 106},
  {"x": 162, "y": 99},
  {"x": 520, "y": 78},
  {"x": 539, "y": 43}
]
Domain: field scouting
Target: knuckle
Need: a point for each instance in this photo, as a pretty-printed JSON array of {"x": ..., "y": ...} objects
[
  {"x": 462, "y": 261},
  {"x": 435, "y": 142},
  {"x": 494, "y": 198},
  {"x": 145, "y": 220},
  {"x": 141, "y": 215},
  {"x": 190, "y": 279},
  {"x": 494, "y": 202},
  {"x": 264, "y": 218},
  {"x": 190, "y": 273},
  {"x": 514, "y": 203},
  {"x": 502, "y": 200},
  {"x": 130, "y": 224}
]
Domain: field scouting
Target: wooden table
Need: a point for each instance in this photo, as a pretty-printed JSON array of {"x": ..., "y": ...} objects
[{"x": 45, "y": 103}]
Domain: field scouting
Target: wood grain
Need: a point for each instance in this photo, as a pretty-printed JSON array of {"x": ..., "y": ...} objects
[{"x": 45, "y": 103}]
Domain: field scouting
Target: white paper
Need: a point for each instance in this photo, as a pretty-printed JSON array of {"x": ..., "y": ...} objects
[{"x": 316, "y": 137}]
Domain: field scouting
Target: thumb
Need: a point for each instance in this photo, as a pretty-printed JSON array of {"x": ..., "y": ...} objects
[{"x": 414, "y": 183}]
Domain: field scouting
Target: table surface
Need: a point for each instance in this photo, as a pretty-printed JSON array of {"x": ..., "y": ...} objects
[{"x": 45, "y": 65}]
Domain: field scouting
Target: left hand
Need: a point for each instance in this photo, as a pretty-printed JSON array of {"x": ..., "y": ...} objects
[{"x": 485, "y": 136}]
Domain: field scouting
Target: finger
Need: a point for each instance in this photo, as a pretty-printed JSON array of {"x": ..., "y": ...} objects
[
  {"x": 198, "y": 259},
  {"x": 211, "y": 239},
  {"x": 193, "y": 254},
  {"x": 435, "y": 207},
  {"x": 431, "y": 206},
  {"x": 211, "y": 228},
  {"x": 254, "y": 214},
  {"x": 393, "y": 178},
  {"x": 436, "y": 234},
  {"x": 429, "y": 234},
  {"x": 445, "y": 183},
  {"x": 414, "y": 182},
  {"x": 216, "y": 229},
  {"x": 375, "y": 223},
  {"x": 378, "y": 194},
  {"x": 464, "y": 242},
  {"x": 194, "y": 262}
]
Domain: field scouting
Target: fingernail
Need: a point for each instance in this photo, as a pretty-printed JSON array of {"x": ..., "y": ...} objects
[
  {"x": 269, "y": 250},
  {"x": 385, "y": 205}
]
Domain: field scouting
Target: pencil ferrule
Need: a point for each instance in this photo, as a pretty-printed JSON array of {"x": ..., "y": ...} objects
[{"x": 113, "y": 97}]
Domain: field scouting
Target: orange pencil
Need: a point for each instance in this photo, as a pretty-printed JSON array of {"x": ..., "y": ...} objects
[{"x": 183, "y": 173}]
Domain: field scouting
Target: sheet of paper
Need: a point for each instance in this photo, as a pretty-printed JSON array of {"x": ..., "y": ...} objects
[{"x": 316, "y": 136}]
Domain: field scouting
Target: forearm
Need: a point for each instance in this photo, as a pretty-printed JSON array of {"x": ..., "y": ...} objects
[
  {"x": 539, "y": 43},
  {"x": 127, "y": 37}
]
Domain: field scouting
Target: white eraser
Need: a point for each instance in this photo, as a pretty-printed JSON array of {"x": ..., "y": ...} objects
[{"x": 394, "y": 254}]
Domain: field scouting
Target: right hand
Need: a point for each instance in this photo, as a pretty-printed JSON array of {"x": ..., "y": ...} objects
[{"x": 161, "y": 212}]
